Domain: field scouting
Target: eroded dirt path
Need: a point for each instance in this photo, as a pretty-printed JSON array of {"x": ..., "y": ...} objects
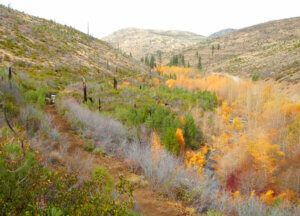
[{"x": 148, "y": 202}]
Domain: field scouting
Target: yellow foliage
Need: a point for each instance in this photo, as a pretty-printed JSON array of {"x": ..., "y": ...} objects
[
  {"x": 156, "y": 146},
  {"x": 180, "y": 72},
  {"x": 156, "y": 81},
  {"x": 198, "y": 76},
  {"x": 180, "y": 140},
  {"x": 270, "y": 133},
  {"x": 171, "y": 83},
  {"x": 265, "y": 155},
  {"x": 226, "y": 109},
  {"x": 268, "y": 197},
  {"x": 267, "y": 92},
  {"x": 140, "y": 79},
  {"x": 197, "y": 160},
  {"x": 125, "y": 84},
  {"x": 236, "y": 194},
  {"x": 236, "y": 124},
  {"x": 183, "y": 121}
]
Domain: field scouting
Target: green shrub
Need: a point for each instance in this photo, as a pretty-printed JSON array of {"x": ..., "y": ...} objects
[
  {"x": 213, "y": 213},
  {"x": 28, "y": 188},
  {"x": 11, "y": 109},
  {"x": 37, "y": 96},
  {"x": 255, "y": 77},
  {"x": 161, "y": 119},
  {"x": 170, "y": 141},
  {"x": 88, "y": 146},
  {"x": 190, "y": 131}
]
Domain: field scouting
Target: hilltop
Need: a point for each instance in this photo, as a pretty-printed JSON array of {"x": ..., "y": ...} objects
[
  {"x": 141, "y": 42},
  {"x": 221, "y": 32},
  {"x": 45, "y": 48},
  {"x": 267, "y": 50}
]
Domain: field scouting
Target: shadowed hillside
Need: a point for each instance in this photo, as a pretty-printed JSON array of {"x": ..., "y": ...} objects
[{"x": 221, "y": 32}]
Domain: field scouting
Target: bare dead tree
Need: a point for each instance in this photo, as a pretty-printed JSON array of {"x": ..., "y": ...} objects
[
  {"x": 99, "y": 106},
  {"x": 115, "y": 83},
  {"x": 9, "y": 73},
  {"x": 84, "y": 90},
  {"x": 9, "y": 76},
  {"x": 8, "y": 123}
]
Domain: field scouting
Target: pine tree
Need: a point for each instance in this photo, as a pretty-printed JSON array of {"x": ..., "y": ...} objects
[
  {"x": 152, "y": 62},
  {"x": 159, "y": 53},
  {"x": 199, "y": 63},
  {"x": 147, "y": 61},
  {"x": 182, "y": 61}
]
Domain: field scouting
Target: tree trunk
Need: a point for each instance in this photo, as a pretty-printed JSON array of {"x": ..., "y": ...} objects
[
  {"x": 115, "y": 83},
  {"x": 84, "y": 90}
]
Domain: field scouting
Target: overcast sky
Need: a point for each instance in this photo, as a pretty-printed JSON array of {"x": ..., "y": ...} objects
[{"x": 201, "y": 17}]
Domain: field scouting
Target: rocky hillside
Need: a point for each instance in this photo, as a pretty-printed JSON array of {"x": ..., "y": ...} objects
[
  {"x": 221, "y": 32},
  {"x": 45, "y": 48},
  {"x": 141, "y": 42},
  {"x": 266, "y": 50}
]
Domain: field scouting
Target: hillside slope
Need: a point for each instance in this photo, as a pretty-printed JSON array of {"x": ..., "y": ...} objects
[
  {"x": 39, "y": 45},
  {"x": 222, "y": 32},
  {"x": 269, "y": 50},
  {"x": 141, "y": 42}
]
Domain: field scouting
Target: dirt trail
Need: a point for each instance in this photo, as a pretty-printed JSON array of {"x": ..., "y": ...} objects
[{"x": 148, "y": 202}]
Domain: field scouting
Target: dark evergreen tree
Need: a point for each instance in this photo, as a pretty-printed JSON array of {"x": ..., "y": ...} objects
[
  {"x": 147, "y": 61},
  {"x": 152, "y": 62},
  {"x": 199, "y": 66},
  {"x": 159, "y": 54},
  {"x": 182, "y": 61}
]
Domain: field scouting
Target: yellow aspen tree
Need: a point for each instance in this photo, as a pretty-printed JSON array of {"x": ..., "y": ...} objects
[
  {"x": 156, "y": 146},
  {"x": 180, "y": 140}
]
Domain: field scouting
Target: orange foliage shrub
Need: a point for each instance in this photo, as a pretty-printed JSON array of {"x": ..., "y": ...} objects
[
  {"x": 156, "y": 146},
  {"x": 196, "y": 160},
  {"x": 125, "y": 84},
  {"x": 180, "y": 140},
  {"x": 180, "y": 72}
]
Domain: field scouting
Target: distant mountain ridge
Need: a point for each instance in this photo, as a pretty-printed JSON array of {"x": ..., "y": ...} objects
[
  {"x": 141, "y": 42},
  {"x": 222, "y": 32}
]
